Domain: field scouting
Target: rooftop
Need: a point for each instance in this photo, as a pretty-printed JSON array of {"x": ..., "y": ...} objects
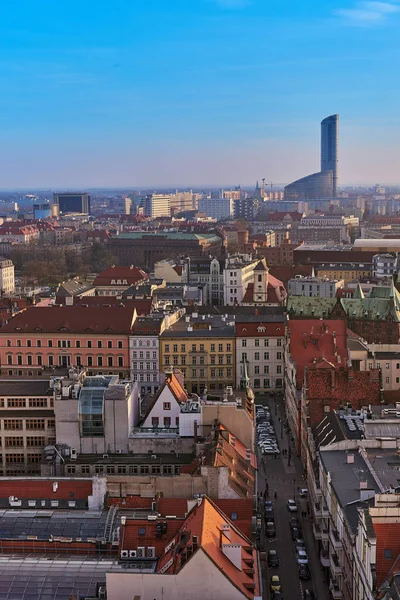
[
  {"x": 25, "y": 388},
  {"x": 71, "y": 320},
  {"x": 201, "y": 326},
  {"x": 169, "y": 235}
]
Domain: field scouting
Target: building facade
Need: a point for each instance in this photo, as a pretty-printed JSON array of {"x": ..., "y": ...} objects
[
  {"x": 217, "y": 208},
  {"x": 72, "y": 202},
  {"x": 238, "y": 273},
  {"x": 7, "y": 282},
  {"x": 157, "y": 205},
  {"x": 314, "y": 286}
]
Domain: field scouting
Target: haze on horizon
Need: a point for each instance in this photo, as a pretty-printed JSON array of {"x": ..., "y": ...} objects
[{"x": 193, "y": 93}]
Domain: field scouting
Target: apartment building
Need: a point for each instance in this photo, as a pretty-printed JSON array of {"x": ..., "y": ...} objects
[
  {"x": 157, "y": 205},
  {"x": 260, "y": 342},
  {"x": 203, "y": 348},
  {"x": 314, "y": 286},
  {"x": 208, "y": 271},
  {"x": 7, "y": 283},
  {"x": 27, "y": 425},
  {"x": 42, "y": 339},
  {"x": 238, "y": 274}
]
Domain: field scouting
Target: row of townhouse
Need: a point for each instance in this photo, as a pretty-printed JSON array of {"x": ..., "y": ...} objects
[{"x": 113, "y": 340}]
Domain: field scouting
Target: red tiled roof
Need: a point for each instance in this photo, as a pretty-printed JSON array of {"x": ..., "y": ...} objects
[
  {"x": 131, "y": 274},
  {"x": 387, "y": 538},
  {"x": 41, "y": 488},
  {"x": 312, "y": 340},
  {"x": 71, "y": 319},
  {"x": 276, "y": 292},
  {"x": 130, "y": 538},
  {"x": 206, "y": 521},
  {"x": 284, "y": 273}
]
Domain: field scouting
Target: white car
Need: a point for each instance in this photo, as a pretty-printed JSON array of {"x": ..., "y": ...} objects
[
  {"x": 301, "y": 557},
  {"x": 292, "y": 506}
]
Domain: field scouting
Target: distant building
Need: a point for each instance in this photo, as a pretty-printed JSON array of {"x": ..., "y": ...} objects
[
  {"x": 209, "y": 271},
  {"x": 7, "y": 283},
  {"x": 217, "y": 208},
  {"x": 384, "y": 265},
  {"x": 157, "y": 205},
  {"x": 121, "y": 205},
  {"x": 183, "y": 201},
  {"x": 42, "y": 211},
  {"x": 238, "y": 273},
  {"x": 314, "y": 286},
  {"x": 246, "y": 208},
  {"x": 72, "y": 202},
  {"x": 114, "y": 280},
  {"x": 324, "y": 183}
]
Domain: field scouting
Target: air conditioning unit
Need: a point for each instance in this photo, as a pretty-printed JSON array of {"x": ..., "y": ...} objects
[
  {"x": 132, "y": 553},
  {"x": 151, "y": 552},
  {"x": 74, "y": 454},
  {"x": 105, "y": 455},
  {"x": 124, "y": 554},
  {"x": 141, "y": 552}
]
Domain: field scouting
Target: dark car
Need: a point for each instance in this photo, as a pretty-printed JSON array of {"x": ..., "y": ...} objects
[
  {"x": 270, "y": 529},
  {"x": 273, "y": 558},
  {"x": 294, "y": 522},
  {"x": 295, "y": 533},
  {"x": 277, "y": 596},
  {"x": 309, "y": 595},
  {"x": 269, "y": 510},
  {"x": 304, "y": 572}
]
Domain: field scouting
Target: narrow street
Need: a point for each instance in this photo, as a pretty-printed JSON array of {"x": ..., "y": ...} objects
[{"x": 286, "y": 480}]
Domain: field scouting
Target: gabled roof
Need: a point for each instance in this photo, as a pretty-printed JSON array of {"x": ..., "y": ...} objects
[
  {"x": 261, "y": 266},
  {"x": 173, "y": 384},
  {"x": 71, "y": 320},
  {"x": 130, "y": 274},
  {"x": 213, "y": 529}
]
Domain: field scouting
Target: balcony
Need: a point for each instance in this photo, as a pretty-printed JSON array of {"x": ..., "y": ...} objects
[
  {"x": 324, "y": 558},
  {"x": 317, "y": 531},
  {"x": 325, "y": 512},
  {"x": 316, "y": 490},
  {"x": 317, "y": 510},
  {"x": 335, "y": 539},
  {"x": 335, "y": 566},
  {"x": 335, "y": 590},
  {"x": 325, "y": 535}
]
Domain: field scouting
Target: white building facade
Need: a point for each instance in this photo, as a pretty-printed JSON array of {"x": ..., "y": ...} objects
[
  {"x": 7, "y": 282},
  {"x": 314, "y": 286},
  {"x": 238, "y": 273}
]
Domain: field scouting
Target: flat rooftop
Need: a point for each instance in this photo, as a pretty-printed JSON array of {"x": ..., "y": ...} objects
[
  {"x": 132, "y": 459},
  {"x": 202, "y": 326},
  {"x": 25, "y": 388}
]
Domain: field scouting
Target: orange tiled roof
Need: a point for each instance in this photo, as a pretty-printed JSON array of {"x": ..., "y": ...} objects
[
  {"x": 387, "y": 538},
  {"x": 206, "y": 521},
  {"x": 42, "y": 488}
]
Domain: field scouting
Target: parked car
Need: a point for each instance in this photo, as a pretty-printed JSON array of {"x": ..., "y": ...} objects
[
  {"x": 309, "y": 595},
  {"x": 292, "y": 505},
  {"x": 301, "y": 557},
  {"x": 270, "y": 529},
  {"x": 304, "y": 493},
  {"x": 269, "y": 510},
  {"x": 275, "y": 584},
  {"x": 295, "y": 533},
  {"x": 276, "y": 596},
  {"x": 300, "y": 545},
  {"x": 294, "y": 522},
  {"x": 273, "y": 558},
  {"x": 304, "y": 572}
]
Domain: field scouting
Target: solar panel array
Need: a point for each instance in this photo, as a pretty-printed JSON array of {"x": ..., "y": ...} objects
[{"x": 42, "y": 578}]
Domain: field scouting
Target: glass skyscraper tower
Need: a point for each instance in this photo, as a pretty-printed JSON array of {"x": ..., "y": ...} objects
[{"x": 329, "y": 148}]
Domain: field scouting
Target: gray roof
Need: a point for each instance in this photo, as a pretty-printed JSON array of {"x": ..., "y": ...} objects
[
  {"x": 200, "y": 328},
  {"x": 25, "y": 388},
  {"x": 73, "y": 287},
  {"x": 57, "y": 577},
  {"x": 345, "y": 480}
]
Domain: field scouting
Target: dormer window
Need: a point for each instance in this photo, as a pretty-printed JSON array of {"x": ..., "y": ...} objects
[
  {"x": 261, "y": 329},
  {"x": 112, "y": 281}
]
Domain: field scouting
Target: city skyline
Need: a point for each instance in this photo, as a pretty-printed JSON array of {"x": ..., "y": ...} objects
[{"x": 196, "y": 94}]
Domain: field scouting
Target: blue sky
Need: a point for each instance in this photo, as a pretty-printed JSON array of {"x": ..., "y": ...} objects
[{"x": 192, "y": 92}]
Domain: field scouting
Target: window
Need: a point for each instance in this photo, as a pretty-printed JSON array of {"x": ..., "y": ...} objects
[
  {"x": 167, "y": 470},
  {"x": 99, "y": 361},
  {"x": 38, "y": 343},
  {"x": 266, "y": 370},
  {"x": 110, "y": 469},
  {"x": 228, "y": 347},
  {"x": 144, "y": 469},
  {"x": 99, "y": 469},
  {"x": 212, "y": 372},
  {"x": 9, "y": 359},
  {"x": 29, "y": 343},
  {"x": 51, "y": 360},
  {"x": 39, "y": 360},
  {"x": 71, "y": 469},
  {"x": 388, "y": 365},
  {"x": 212, "y": 348},
  {"x": 31, "y": 442},
  {"x": 89, "y": 344},
  {"x": 279, "y": 370},
  {"x": 257, "y": 383},
  {"x": 220, "y": 348},
  {"x": 16, "y": 403},
  {"x": 167, "y": 421},
  {"x": 109, "y": 344},
  {"x": 194, "y": 348},
  {"x": 14, "y": 442},
  {"x": 266, "y": 355},
  {"x": 279, "y": 356},
  {"x": 51, "y": 423},
  {"x": 15, "y": 458},
  {"x": 121, "y": 470},
  {"x": 120, "y": 361},
  {"x": 12, "y": 423},
  {"x": 387, "y": 553},
  {"x": 256, "y": 356},
  {"x": 8, "y": 343},
  {"x": 175, "y": 361},
  {"x": 183, "y": 361},
  {"x": 156, "y": 469},
  {"x": 229, "y": 372},
  {"x": 29, "y": 359},
  {"x": 220, "y": 359},
  {"x": 194, "y": 360},
  {"x": 194, "y": 373},
  {"x": 397, "y": 379},
  {"x": 256, "y": 343},
  {"x": 220, "y": 373},
  {"x": 256, "y": 370},
  {"x": 244, "y": 356},
  {"x": 90, "y": 361},
  {"x": 35, "y": 424},
  {"x": 99, "y": 344},
  {"x": 279, "y": 342},
  {"x": 166, "y": 347},
  {"x": 19, "y": 359},
  {"x": 266, "y": 383},
  {"x": 213, "y": 360},
  {"x": 167, "y": 405},
  {"x": 119, "y": 344},
  {"x": 110, "y": 361},
  {"x": 387, "y": 379},
  {"x": 78, "y": 343},
  {"x": 155, "y": 421},
  {"x": 266, "y": 343},
  {"x": 19, "y": 343},
  {"x": 50, "y": 343},
  {"x": 244, "y": 343},
  {"x": 85, "y": 470},
  {"x": 370, "y": 366}
]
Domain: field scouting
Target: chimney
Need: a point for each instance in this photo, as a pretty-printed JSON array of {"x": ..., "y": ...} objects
[
  {"x": 350, "y": 458},
  {"x": 226, "y": 530},
  {"x": 363, "y": 484}
]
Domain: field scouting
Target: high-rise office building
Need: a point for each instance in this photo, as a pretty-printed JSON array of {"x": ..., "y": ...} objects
[
  {"x": 72, "y": 202},
  {"x": 324, "y": 183},
  {"x": 329, "y": 147},
  {"x": 157, "y": 205}
]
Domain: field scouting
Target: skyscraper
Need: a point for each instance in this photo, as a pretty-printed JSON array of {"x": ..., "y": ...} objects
[
  {"x": 329, "y": 147},
  {"x": 72, "y": 202},
  {"x": 324, "y": 183}
]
